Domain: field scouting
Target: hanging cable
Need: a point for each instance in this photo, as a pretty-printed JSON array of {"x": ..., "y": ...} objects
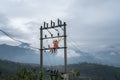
[
  {"x": 74, "y": 60},
  {"x": 62, "y": 28},
  {"x": 56, "y": 29},
  {"x": 49, "y": 31},
  {"x": 77, "y": 47},
  {"x": 49, "y": 60},
  {"x": 8, "y": 35},
  {"x": 11, "y": 37},
  {"x": 34, "y": 47},
  {"x": 74, "y": 44}
]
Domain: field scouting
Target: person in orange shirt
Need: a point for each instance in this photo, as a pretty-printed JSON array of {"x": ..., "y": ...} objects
[{"x": 55, "y": 45}]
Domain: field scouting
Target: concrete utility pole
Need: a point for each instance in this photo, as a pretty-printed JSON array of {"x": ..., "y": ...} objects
[
  {"x": 59, "y": 25},
  {"x": 41, "y": 54},
  {"x": 65, "y": 49}
]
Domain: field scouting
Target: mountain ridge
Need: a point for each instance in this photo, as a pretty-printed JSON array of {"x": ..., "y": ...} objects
[
  {"x": 92, "y": 71},
  {"x": 27, "y": 55}
]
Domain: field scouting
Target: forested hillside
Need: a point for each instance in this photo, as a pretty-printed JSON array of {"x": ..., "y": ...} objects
[
  {"x": 96, "y": 71},
  {"x": 16, "y": 71}
]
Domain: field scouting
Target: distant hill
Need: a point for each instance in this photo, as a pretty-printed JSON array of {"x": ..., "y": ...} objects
[
  {"x": 109, "y": 55},
  {"x": 23, "y": 54},
  {"x": 18, "y": 54},
  {"x": 93, "y": 71},
  {"x": 9, "y": 68},
  {"x": 96, "y": 71}
]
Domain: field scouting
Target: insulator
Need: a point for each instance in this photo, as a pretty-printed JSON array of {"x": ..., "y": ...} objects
[
  {"x": 41, "y": 27},
  {"x": 48, "y": 46},
  {"x": 51, "y": 23},
  {"x": 44, "y": 50},
  {"x": 64, "y": 23},
  {"x": 47, "y": 25},
  {"x": 54, "y": 24},
  {"x": 58, "y": 34},
  {"x": 44, "y": 24},
  {"x": 45, "y": 36},
  {"x": 51, "y": 35},
  {"x": 58, "y": 22}
]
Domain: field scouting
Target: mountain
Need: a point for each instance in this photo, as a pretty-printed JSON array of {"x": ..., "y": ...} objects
[
  {"x": 109, "y": 55},
  {"x": 9, "y": 68},
  {"x": 18, "y": 54},
  {"x": 24, "y": 54},
  {"x": 87, "y": 70},
  {"x": 96, "y": 71}
]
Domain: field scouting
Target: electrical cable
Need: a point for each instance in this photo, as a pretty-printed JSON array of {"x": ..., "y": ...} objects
[
  {"x": 11, "y": 37},
  {"x": 49, "y": 32},
  {"x": 8, "y": 35}
]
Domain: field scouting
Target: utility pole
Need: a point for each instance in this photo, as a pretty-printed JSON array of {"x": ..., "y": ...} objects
[
  {"x": 65, "y": 49},
  {"x": 41, "y": 54},
  {"x": 57, "y": 27}
]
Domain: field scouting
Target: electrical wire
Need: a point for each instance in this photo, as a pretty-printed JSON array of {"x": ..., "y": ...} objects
[
  {"x": 11, "y": 36},
  {"x": 8, "y": 35},
  {"x": 74, "y": 60},
  {"x": 77, "y": 47},
  {"x": 56, "y": 29},
  {"x": 49, "y": 59},
  {"x": 49, "y": 32}
]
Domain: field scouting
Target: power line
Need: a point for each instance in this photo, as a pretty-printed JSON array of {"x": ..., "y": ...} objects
[
  {"x": 8, "y": 35},
  {"x": 11, "y": 36},
  {"x": 34, "y": 47}
]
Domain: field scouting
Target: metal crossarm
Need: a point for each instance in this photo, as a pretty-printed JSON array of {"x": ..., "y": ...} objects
[
  {"x": 53, "y": 37},
  {"x": 56, "y": 48},
  {"x": 44, "y": 28}
]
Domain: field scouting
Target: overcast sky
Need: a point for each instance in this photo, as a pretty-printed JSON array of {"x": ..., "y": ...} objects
[{"x": 90, "y": 23}]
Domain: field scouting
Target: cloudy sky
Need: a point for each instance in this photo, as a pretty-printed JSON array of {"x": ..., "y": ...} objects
[{"x": 90, "y": 23}]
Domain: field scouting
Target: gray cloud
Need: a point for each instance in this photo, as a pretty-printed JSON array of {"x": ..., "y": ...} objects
[
  {"x": 11, "y": 30},
  {"x": 34, "y": 9},
  {"x": 95, "y": 21},
  {"x": 3, "y": 20},
  {"x": 89, "y": 22}
]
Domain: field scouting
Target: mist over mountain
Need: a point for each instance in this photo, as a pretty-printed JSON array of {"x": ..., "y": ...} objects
[
  {"x": 108, "y": 56},
  {"x": 18, "y": 54}
]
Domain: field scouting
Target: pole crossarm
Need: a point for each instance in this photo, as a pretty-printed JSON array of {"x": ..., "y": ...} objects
[
  {"x": 53, "y": 37},
  {"x": 56, "y": 48},
  {"x": 45, "y": 28}
]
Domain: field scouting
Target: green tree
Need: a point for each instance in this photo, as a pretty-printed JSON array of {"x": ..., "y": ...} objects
[
  {"x": 0, "y": 73},
  {"x": 25, "y": 74},
  {"x": 78, "y": 73}
]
